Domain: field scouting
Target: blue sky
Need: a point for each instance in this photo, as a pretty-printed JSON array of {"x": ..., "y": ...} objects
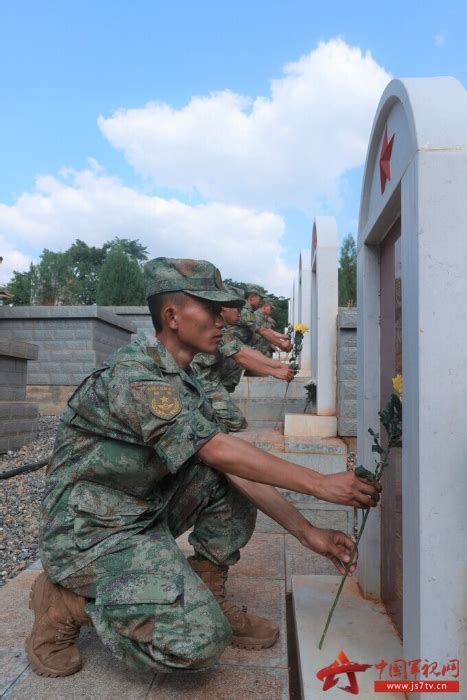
[{"x": 224, "y": 154}]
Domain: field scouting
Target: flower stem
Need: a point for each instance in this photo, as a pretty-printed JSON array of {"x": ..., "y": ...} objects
[
  {"x": 341, "y": 586},
  {"x": 378, "y": 474}
]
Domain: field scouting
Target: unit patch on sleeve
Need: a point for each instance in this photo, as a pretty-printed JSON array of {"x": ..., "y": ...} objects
[{"x": 164, "y": 401}]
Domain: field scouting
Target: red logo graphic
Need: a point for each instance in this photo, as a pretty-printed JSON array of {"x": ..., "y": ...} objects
[{"x": 342, "y": 665}]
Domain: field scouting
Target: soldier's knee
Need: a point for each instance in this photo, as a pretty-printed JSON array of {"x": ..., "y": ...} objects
[
  {"x": 210, "y": 643},
  {"x": 203, "y": 641}
]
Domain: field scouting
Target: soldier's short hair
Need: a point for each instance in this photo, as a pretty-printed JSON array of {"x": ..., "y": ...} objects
[{"x": 157, "y": 301}]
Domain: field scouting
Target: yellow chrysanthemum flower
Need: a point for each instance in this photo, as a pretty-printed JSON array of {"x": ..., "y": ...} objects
[
  {"x": 301, "y": 327},
  {"x": 398, "y": 385}
]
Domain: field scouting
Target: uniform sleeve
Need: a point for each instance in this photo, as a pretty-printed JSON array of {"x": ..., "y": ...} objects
[
  {"x": 261, "y": 322},
  {"x": 229, "y": 344},
  {"x": 175, "y": 432},
  {"x": 145, "y": 411},
  {"x": 247, "y": 318}
]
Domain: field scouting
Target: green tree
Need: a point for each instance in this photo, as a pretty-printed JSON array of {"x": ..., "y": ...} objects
[
  {"x": 85, "y": 264},
  {"x": 21, "y": 285},
  {"x": 132, "y": 248},
  {"x": 348, "y": 272},
  {"x": 55, "y": 281},
  {"x": 70, "y": 277},
  {"x": 120, "y": 281}
]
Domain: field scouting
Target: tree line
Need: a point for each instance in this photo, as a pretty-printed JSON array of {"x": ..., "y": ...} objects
[{"x": 111, "y": 275}]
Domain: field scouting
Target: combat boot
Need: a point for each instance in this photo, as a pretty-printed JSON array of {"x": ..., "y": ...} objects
[
  {"x": 59, "y": 614},
  {"x": 249, "y": 631}
]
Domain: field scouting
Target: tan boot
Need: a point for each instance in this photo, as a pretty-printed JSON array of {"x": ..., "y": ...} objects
[
  {"x": 59, "y": 614},
  {"x": 248, "y": 630}
]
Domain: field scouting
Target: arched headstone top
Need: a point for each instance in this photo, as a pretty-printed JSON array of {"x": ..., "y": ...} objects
[
  {"x": 304, "y": 262},
  {"x": 414, "y": 114},
  {"x": 324, "y": 233}
]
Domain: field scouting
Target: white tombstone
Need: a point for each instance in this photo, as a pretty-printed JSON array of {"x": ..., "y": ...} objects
[
  {"x": 290, "y": 308},
  {"x": 305, "y": 307},
  {"x": 294, "y": 316},
  {"x": 324, "y": 298},
  {"x": 413, "y": 227}
]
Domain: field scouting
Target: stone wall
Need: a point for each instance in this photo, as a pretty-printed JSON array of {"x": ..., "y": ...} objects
[
  {"x": 138, "y": 315},
  {"x": 264, "y": 400},
  {"x": 18, "y": 417},
  {"x": 72, "y": 341},
  {"x": 347, "y": 372}
]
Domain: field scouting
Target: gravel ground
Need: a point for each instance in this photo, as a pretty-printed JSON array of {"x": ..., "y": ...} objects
[{"x": 20, "y": 501}]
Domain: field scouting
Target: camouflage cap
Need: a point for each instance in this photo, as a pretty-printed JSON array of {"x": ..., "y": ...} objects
[
  {"x": 198, "y": 278},
  {"x": 235, "y": 290},
  {"x": 268, "y": 301},
  {"x": 254, "y": 289}
]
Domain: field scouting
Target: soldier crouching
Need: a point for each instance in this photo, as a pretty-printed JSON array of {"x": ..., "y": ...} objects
[{"x": 140, "y": 458}]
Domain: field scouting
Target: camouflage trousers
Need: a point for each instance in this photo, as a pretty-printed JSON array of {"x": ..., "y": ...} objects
[{"x": 146, "y": 603}]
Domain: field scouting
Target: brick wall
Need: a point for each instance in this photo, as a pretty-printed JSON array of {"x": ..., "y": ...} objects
[
  {"x": 18, "y": 417},
  {"x": 138, "y": 315},
  {"x": 347, "y": 372},
  {"x": 71, "y": 340}
]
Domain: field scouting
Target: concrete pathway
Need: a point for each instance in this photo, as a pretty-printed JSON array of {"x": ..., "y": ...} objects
[{"x": 257, "y": 581}]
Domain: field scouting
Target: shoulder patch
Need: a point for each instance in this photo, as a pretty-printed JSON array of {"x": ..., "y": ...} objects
[{"x": 164, "y": 401}]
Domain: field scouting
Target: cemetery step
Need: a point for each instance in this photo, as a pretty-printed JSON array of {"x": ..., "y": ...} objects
[
  {"x": 360, "y": 628},
  {"x": 273, "y": 440},
  {"x": 322, "y": 463}
]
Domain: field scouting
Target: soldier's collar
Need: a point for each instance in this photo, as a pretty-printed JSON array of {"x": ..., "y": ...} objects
[{"x": 162, "y": 357}]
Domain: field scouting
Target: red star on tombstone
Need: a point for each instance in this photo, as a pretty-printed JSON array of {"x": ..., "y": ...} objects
[{"x": 385, "y": 159}]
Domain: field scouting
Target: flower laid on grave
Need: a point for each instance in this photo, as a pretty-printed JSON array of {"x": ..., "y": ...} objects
[
  {"x": 391, "y": 420},
  {"x": 299, "y": 330}
]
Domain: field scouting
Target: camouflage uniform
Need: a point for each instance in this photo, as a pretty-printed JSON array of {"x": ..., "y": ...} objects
[
  {"x": 210, "y": 370},
  {"x": 261, "y": 344},
  {"x": 125, "y": 481}
]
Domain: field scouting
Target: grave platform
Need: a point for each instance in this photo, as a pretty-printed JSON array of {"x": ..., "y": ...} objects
[{"x": 361, "y": 628}]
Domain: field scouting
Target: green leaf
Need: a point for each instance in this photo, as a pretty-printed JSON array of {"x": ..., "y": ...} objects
[{"x": 363, "y": 473}]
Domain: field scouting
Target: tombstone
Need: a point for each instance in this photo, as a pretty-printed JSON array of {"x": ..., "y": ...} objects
[
  {"x": 412, "y": 319},
  {"x": 304, "y": 286},
  {"x": 293, "y": 319},
  {"x": 324, "y": 298}
]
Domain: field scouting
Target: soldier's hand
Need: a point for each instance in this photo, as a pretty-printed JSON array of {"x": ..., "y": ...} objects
[
  {"x": 348, "y": 490},
  {"x": 332, "y": 544},
  {"x": 284, "y": 372},
  {"x": 285, "y": 344}
]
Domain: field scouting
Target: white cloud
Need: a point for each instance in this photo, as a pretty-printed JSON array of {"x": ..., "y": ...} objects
[
  {"x": 244, "y": 243},
  {"x": 288, "y": 149},
  {"x": 440, "y": 39},
  {"x": 13, "y": 259}
]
